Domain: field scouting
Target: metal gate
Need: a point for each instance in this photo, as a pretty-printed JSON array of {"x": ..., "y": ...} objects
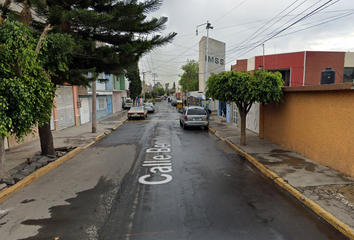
[
  {"x": 85, "y": 110},
  {"x": 234, "y": 114},
  {"x": 65, "y": 107},
  {"x": 252, "y": 119}
]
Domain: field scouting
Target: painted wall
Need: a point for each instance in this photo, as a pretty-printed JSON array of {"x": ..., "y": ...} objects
[
  {"x": 316, "y": 62},
  {"x": 292, "y": 61},
  {"x": 305, "y": 67},
  {"x": 241, "y": 65},
  {"x": 316, "y": 122},
  {"x": 215, "y": 59}
]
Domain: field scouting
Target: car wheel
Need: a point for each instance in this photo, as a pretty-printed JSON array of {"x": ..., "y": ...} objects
[
  {"x": 206, "y": 128},
  {"x": 180, "y": 123}
]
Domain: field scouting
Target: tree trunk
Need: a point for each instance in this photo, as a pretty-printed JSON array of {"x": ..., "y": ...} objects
[
  {"x": 46, "y": 139},
  {"x": 3, "y": 172},
  {"x": 243, "y": 114}
]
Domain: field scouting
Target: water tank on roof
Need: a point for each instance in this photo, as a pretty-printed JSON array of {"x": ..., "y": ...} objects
[{"x": 328, "y": 76}]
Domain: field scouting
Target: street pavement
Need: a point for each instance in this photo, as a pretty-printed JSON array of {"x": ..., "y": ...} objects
[{"x": 324, "y": 191}]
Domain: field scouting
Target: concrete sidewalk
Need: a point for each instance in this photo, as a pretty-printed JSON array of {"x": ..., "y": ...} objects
[
  {"x": 76, "y": 136},
  {"x": 325, "y": 191}
]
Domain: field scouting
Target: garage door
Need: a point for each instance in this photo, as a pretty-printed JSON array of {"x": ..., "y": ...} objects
[{"x": 65, "y": 107}]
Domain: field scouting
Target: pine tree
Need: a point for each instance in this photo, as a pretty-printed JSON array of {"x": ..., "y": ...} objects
[
  {"x": 135, "y": 81},
  {"x": 121, "y": 28},
  {"x": 121, "y": 25}
]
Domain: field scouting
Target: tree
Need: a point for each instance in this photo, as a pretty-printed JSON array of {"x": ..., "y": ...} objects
[
  {"x": 135, "y": 82},
  {"x": 55, "y": 53},
  {"x": 148, "y": 95},
  {"x": 159, "y": 91},
  {"x": 121, "y": 25},
  {"x": 26, "y": 93},
  {"x": 190, "y": 76},
  {"x": 245, "y": 88}
]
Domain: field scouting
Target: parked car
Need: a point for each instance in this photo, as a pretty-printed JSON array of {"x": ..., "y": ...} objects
[
  {"x": 194, "y": 117},
  {"x": 149, "y": 107},
  {"x": 174, "y": 102},
  {"x": 137, "y": 112},
  {"x": 128, "y": 103}
]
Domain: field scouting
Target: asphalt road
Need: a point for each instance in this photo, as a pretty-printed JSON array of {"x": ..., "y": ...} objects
[{"x": 153, "y": 180}]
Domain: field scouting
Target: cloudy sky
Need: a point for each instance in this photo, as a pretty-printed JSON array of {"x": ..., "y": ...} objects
[{"x": 282, "y": 25}]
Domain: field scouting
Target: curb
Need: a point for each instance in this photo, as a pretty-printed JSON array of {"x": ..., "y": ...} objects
[
  {"x": 321, "y": 212},
  {"x": 7, "y": 193}
]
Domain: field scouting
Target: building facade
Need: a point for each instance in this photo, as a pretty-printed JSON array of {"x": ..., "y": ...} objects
[{"x": 303, "y": 68}]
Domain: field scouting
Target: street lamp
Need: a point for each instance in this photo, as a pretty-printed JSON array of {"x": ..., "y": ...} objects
[{"x": 208, "y": 26}]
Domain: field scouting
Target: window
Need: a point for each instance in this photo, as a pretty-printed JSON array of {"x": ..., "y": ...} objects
[
  {"x": 348, "y": 75},
  {"x": 101, "y": 102},
  {"x": 196, "y": 111}
]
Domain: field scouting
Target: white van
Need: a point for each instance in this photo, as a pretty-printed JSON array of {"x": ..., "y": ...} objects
[{"x": 128, "y": 103}]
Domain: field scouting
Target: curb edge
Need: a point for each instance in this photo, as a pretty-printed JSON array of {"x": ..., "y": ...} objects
[
  {"x": 9, "y": 192},
  {"x": 321, "y": 212}
]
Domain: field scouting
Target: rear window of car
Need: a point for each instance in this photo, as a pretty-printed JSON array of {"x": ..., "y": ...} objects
[
  {"x": 128, "y": 101},
  {"x": 196, "y": 111}
]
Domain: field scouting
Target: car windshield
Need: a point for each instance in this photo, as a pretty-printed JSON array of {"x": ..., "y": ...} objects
[
  {"x": 137, "y": 108},
  {"x": 196, "y": 111}
]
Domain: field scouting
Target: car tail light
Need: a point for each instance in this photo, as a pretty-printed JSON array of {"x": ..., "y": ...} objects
[
  {"x": 207, "y": 117},
  {"x": 185, "y": 117}
]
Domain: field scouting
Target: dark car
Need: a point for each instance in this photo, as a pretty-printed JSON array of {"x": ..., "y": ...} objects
[
  {"x": 194, "y": 117},
  {"x": 174, "y": 102}
]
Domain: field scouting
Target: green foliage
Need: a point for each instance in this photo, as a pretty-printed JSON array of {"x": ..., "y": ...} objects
[
  {"x": 56, "y": 54},
  {"x": 123, "y": 25},
  {"x": 159, "y": 91},
  {"x": 133, "y": 76},
  {"x": 191, "y": 68},
  {"x": 148, "y": 95},
  {"x": 26, "y": 93},
  {"x": 245, "y": 87}
]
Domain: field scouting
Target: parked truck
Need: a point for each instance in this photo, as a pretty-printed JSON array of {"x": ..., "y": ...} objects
[{"x": 128, "y": 103}]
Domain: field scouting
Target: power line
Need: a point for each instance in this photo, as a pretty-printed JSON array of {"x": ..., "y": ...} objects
[
  {"x": 229, "y": 11},
  {"x": 284, "y": 29}
]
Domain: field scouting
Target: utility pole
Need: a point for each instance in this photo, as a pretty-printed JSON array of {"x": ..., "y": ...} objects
[
  {"x": 263, "y": 58},
  {"x": 208, "y": 26},
  {"x": 154, "y": 75},
  {"x": 94, "y": 107},
  {"x": 144, "y": 82},
  {"x": 187, "y": 87}
]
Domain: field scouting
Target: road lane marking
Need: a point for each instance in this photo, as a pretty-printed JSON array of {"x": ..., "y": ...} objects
[{"x": 159, "y": 166}]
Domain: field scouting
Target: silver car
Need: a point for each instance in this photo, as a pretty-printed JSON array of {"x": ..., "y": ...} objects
[
  {"x": 149, "y": 107},
  {"x": 194, "y": 117}
]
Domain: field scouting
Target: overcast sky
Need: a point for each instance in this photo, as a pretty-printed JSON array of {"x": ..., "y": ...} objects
[{"x": 244, "y": 25}]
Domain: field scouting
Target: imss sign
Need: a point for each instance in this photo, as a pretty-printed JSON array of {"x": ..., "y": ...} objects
[{"x": 160, "y": 165}]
